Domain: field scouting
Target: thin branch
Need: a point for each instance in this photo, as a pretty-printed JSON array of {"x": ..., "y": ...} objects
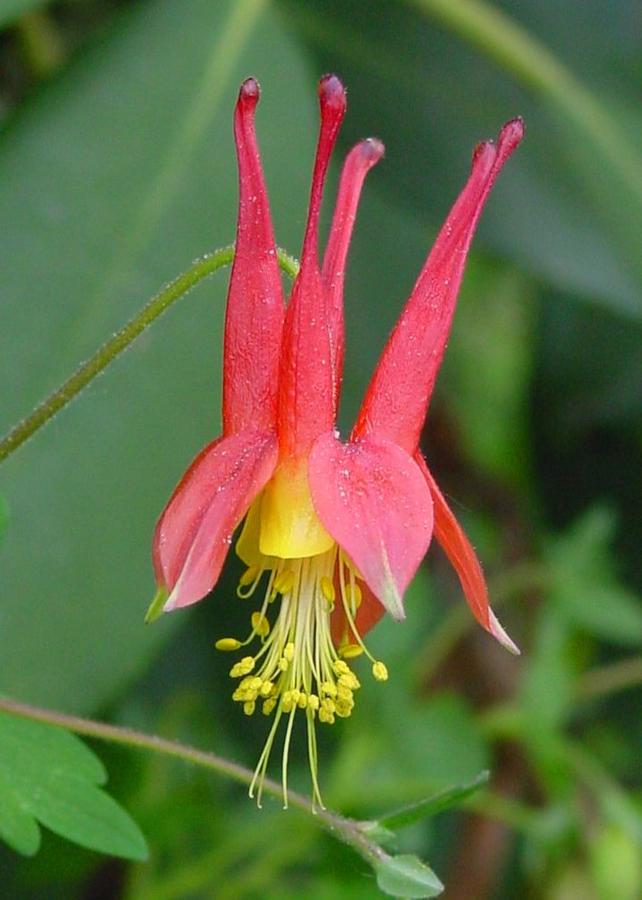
[
  {"x": 111, "y": 350},
  {"x": 350, "y": 831},
  {"x": 618, "y": 676}
]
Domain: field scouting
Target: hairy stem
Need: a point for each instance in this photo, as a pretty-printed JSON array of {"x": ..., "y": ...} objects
[
  {"x": 111, "y": 350},
  {"x": 349, "y": 831}
]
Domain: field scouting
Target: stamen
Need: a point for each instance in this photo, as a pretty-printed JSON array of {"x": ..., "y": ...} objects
[
  {"x": 260, "y": 624},
  {"x": 297, "y": 666},
  {"x": 380, "y": 671},
  {"x": 248, "y": 582},
  {"x": 227, "y": 644}
]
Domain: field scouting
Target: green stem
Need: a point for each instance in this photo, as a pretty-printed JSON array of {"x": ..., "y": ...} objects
[
  {"x": 349, "y": 831},
  {"x": 618, "y": 676},
  {"x": 87, "y": 371},
  {"x": 512, "y": 48}
]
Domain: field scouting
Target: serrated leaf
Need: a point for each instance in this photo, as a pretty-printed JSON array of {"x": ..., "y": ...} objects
[
  {"x": 50, "y": 776},
  {"x": 406, "y": 876},
  {"x": 430, "y": 806}
]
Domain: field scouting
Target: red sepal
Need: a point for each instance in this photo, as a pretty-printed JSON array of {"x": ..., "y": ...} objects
[
  {"x": 398, "y": 395},
  {"x": 372, "y": 499},
  {"x": 462, "y": 557},
  {"x": 194, "y": 533}
]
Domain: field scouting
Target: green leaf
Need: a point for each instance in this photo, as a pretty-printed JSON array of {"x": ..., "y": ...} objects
[
  {"x": 48, "y": 775},
  {"x": 430, "y": 806},
  {"x": 4, "y": 517},
  {"x": 407, "y": 876},
  {"x": 115, "y": 177},
  {"x": 585, "y": 586}
]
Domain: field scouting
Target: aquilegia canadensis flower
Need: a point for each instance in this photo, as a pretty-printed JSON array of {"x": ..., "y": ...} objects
[{"x": 333, "y": 531}]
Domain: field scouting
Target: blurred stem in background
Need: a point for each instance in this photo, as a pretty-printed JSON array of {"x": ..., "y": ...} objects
[{"x": 512, "y": 48}]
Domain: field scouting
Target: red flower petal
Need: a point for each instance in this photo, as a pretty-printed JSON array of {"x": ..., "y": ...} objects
[
  {"x": 397, "y": 398},
  {"x": 194, "y": 532},
  {"x": 464, "y": 561},
  {"x": 357, "y": 165},
  {"x": 372, "y": 498},
  {"x": 306, "y": 394},
  {"x": 255, "y": 310}
]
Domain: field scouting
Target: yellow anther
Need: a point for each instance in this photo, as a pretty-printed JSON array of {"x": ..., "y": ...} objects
[
  {"x": 249, "y": 576},
  {"x": 284, "y": 582},
  {"x": 326, "y": 712},
  {"x": 328, "y": 591},
  {"x": 313, "y": 702},
  {"x": 254, "y": 684},
  {"x": 340, "y": 667},
  {"x": 344, "y": 693},
  {"x": 288, "y": 651},
  {"x": 287, "y": 701},
  {"x": 242, "y": 667},
  {"x": 355, "y": 596},
  {"x": 295, "y": 693},
  {"x": 344, "y": 708},
  {"x": 349, "y": 651},
  {"x": 350, "y": 680},
  {"x": 260, "y": 624},
  {"x": 380, "y": 671},
  {"x": 268, "y": 706},
  {"x": 227, "y": 644},
  {"x": 266, "y": 688},
  {"x": 329, "y": 688},
  {"x": 302, "y": 701},
  {"x": 249, "y": 707},
  {"x": 283, "y": 664}
]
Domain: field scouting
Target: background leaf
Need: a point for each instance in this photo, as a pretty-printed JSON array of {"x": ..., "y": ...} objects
[{"x": 124, "y": 169}]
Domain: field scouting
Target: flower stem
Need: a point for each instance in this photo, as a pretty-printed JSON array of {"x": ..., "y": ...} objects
[
  {"x": 87, "y": 371},
  {"x": 350, "y": 831}
]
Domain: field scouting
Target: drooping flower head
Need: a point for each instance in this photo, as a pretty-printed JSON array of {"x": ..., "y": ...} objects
[{"x": 332, "y": 532}]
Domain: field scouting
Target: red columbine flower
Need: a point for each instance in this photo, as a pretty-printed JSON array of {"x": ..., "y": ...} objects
[{"x": 334, "y": 531}]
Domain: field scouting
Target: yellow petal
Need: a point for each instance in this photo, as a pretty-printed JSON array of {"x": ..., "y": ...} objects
[{"x": 290, "y": 528}]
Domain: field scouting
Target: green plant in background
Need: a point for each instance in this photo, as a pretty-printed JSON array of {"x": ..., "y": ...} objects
[{"x": 104, "y": 170}]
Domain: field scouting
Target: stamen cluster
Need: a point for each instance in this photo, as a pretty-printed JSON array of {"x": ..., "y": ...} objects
[{"x": 297, "y": 665}]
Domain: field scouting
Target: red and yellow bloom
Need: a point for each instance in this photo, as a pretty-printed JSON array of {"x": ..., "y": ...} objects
[{"x": 334, "y": 531}]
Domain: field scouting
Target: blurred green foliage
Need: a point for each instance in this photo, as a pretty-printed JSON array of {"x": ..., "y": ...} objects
[{"x": 116, "y": 170}]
